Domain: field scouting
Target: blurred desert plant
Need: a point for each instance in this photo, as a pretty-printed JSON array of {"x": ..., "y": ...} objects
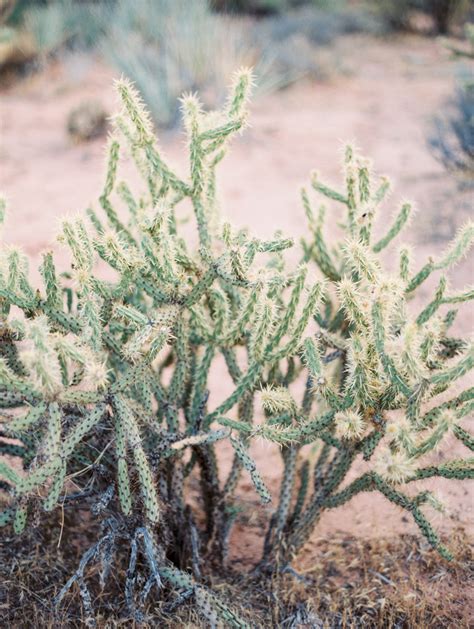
[
  {"x": 318, "y": 26},
  {"x": 253, "y": 7},
  {"x": 60, "y": 23},
  {"x": 6, "y": 9},
  {"x": 168, "y": 47},
  {"x": 265, "y": 7},
  {"x": 87, "y": 121},
  {"x": 16, "y": 46},
  {"x": 107, "y": 398},
  {"x": 293, "y": 42},
  {"x": 444, "y": 13},
  {"x": 459, "y": 50},
  {"x": 452, "y": 139}
]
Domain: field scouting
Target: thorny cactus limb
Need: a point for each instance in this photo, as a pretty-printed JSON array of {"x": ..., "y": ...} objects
[
  {"x": 105, "y": 377},
  {"x": 378, "y": 366}
]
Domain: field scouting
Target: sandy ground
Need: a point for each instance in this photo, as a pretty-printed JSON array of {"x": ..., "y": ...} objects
[{"x": 384, "y": 101}]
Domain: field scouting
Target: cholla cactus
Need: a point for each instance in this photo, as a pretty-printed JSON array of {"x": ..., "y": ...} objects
[{"x": 106, "y": 380}]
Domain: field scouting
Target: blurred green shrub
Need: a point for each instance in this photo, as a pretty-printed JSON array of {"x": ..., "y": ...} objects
[
  {"x": 397, "y": 13},
  {"x": 255, "y": 7},
  {"x": 168, "y": 47},
  {"x": 452, "y": 139},
  {"x": 266, "y": 7},
  {"x": 446, "y": 12},
  {"x": 65, "y": 23}
]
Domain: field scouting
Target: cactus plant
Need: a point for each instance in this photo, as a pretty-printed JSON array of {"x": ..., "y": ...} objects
[
  {"x": 104, "y": 370},
  {"x": 452, "y": 138}
]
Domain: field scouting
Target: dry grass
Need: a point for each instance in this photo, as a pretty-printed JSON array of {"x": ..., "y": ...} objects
[{"x": 339, "y": 582}]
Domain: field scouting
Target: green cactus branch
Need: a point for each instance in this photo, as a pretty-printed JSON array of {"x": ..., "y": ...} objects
[{"x": 109, "y": 385}]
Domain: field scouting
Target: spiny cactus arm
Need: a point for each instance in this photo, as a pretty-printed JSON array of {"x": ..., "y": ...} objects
[
  {"x": 433, "y": 306},
  {"x": 447, "y": 376},
  {"x": 239, "y": 426},
  {"x": 351, "y": 302},
  {"x": 461, "y": 469},
  {"x": 177, "y": 387},
  {"x": 199, "y": 383},
  {"x": 25, "y": 422},
  {"x": 461, "y": 297},
  {"x": 369, "y": 443},
  {"x": 95, "y": 221},
  {"x": 26, "y": 303},
  {"x": 327, "y": 191},
  {"x": 398, "y": 225},
  {"x": 317, "y": 249},
  {"x": 37, "y": 477},
  {"x": 299, "y": 534},
  {"x": 363, "y": 262},
  {"x": 465, "y": 437},
  {"x": 9, "y": 474},
  {"x": 382, "y": 191},
  {"x": 131, "y": 375},
  {"x": 123, "y": 480},
  {"x": 328, "y": 439},
  {"x": 249, "y": 464},
  {"x": 289, "y": 455},
  {"x": 302, "y": 493},
  {"x": 51, "y": 282},
  {"x": 201, "y": 287},
  {"x": 387, "y": 362},
  {"x": 11, "y": 449},
  {"x": 238, "y": 329},
  {"x": 410, "y": 505},
  {"x": 81, "y": 429},
  {"x": 199, "y": 439},
  {"x": 211, "y": 607},
  {"x": 20, "y": 518},
  {"x": 457, "y": 250},
  {"x": 53, "y": 431},
  {"x": 443, "y": 423},
  {"x": 363, "y": 483},
  {"x": 312, "y": 303},
  {"x": 128, "y": 198},
  {"x": 14, "y": 387},
  {"x": 287, "y": 320},
  {"x": 56, "y": 487},
  {"x": 147, "y": 484},
  {"x": 11, "y": 399},
  {"x": 465, "y": 410},
  {"x": 247, "y": 383},
  {"x": 232, "y": 365},
  {"x": 6, "y": 516},
  {"x": 145, "y": 139},
  {"x": 109, "y": 186},
  {"x": 453, "y": 404}
]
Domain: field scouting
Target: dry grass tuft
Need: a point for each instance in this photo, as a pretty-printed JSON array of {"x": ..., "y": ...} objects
[{"x": 340, "y": 582}]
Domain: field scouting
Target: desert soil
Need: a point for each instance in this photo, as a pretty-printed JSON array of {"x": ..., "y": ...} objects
[{"x": 383, "y": 99}]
